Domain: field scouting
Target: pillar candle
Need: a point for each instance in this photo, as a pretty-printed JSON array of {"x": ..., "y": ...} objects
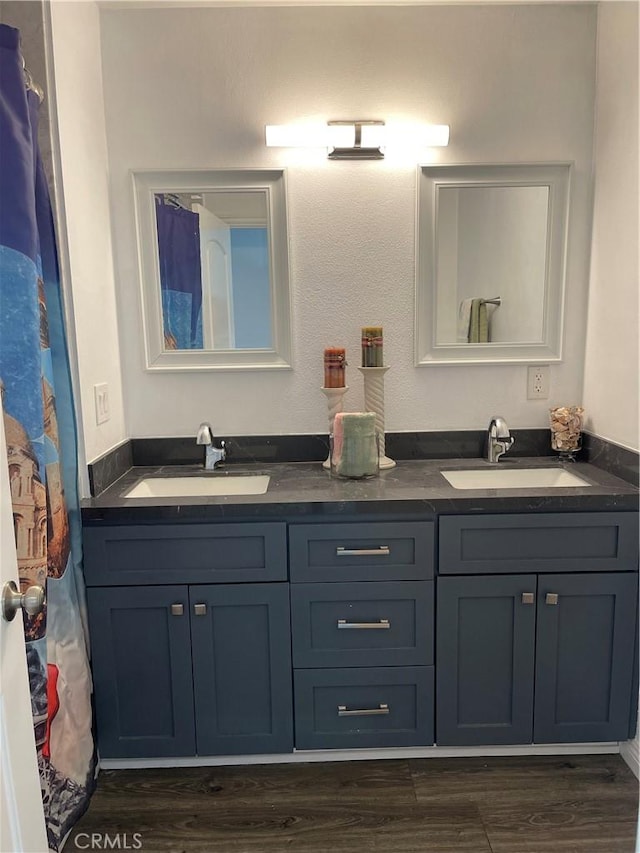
[
  {"x": 334, "y": 367},
  {"x": 372, "y": 346}
]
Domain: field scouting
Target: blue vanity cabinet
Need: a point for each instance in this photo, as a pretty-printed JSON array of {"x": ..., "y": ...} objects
[
  {"x": 192, "y": 668},
  {"x": 241, "y": 651},
  {"x": 485, "y": 659},
  {"x": 141, "y": 662},
  {"x": 586, "y": 633},
  {"x": 246, "y": 552},
  {"x": 543, "y": 656},
  {"x": 362, "y": 612}
]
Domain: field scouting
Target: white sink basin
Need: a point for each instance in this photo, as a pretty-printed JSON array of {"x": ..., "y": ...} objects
[
  {"x": 513, "y": 478},
  {"x": 204, "y": 486}
]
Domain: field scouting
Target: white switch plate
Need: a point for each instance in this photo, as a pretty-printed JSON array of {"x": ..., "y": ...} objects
[
  {"x": 538, "y": 382},
  {"x": 101, "y": 396}
]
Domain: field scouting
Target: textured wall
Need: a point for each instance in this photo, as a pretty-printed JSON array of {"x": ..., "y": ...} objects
[
  {"x": 195, "y": 87},
  {"x": 84, "y": 185},
  {"x": 611, "y": 371}
]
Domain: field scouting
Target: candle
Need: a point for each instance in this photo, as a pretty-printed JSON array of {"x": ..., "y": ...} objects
[
  {"x": 372, "y": 346},
  {"x": 334, "y": 367}
]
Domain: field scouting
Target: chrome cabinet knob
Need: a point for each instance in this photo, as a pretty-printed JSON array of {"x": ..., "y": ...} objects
[{"x": 32, "y": 601}]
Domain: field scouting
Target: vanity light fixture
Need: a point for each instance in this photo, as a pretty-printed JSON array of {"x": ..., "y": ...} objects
[{"x": 356, "y": 139}]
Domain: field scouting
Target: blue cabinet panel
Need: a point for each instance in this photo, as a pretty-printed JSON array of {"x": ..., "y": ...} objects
[
  {"x": 356, "y": 708},
  {"x": 584, "y": 657},
  {"x": 185, "y": 553},
  {"x": 362, "y": 624},
  {"x": 485, "y": 660},
  {"x": 141, "y": 660},
  {"x": 242, "y": 668},
  {"x": 361, "y": 551},
  {"x": 538, "y": 542}
]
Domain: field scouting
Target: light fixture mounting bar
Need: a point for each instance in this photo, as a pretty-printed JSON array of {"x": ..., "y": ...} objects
[{"x": 358, "y": 151}]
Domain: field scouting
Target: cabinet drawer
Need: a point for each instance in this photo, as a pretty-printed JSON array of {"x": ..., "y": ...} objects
[
  {"x": 362, "y": 624},
  {"x": 362, "y": 551},
  {"x": 356, "y": 708},
  {"x": 185, "y": 553},
  {"x": 545, "y": 542}
]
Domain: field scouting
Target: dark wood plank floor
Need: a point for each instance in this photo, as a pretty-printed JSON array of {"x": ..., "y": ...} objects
[{"x": 537, "y": 804}]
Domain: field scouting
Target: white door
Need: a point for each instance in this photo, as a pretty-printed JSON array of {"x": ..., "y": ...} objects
[
  {"x": 217, "y": 288},
  {"x": 22, "y": 828}
]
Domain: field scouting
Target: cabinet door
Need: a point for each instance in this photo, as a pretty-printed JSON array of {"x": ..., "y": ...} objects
[
  {"x": 241, "y": 650},
  {"x": 584, "y": 657},
  {"x": 485, "y": 660},
  {"x": 141, "y": 658}
]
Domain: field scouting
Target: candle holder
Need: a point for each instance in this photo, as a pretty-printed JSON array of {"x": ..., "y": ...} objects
[
  {"x": 374, "y": 402},
  {"x": 334, "y": 402}
]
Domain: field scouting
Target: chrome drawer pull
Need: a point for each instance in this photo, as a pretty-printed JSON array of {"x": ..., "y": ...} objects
[
  {"x": 343, "y": 711},
  {"x": 528, "y": 598},
  {"x": 200, "y": 609},
  {"x": 177, "y": 609},
  {"x": 380, "y": 551},
  {"x": 551, "y": 598},
  {"x": 364, "y": 626}
]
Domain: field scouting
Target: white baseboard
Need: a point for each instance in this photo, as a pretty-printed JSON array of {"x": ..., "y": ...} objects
[
  {"x": 306, "y": 756},
  {"x": 630, "y": 752}
]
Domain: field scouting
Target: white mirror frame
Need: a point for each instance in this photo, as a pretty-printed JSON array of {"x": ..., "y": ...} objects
[
  {"x": 555, "y": 176},
  {"x": 270, "y": 181}
]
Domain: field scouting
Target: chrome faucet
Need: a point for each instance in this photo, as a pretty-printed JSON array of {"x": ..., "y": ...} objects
[
  {"x": 213, "y": 454},
  {"x": 499, "y": 439}
]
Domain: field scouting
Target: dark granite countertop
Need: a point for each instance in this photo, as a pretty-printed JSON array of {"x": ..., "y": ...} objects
[{"x": 304, "y": 490}]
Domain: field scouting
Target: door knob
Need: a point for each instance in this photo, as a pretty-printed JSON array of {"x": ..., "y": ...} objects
[{"x": 32, "y": 601}]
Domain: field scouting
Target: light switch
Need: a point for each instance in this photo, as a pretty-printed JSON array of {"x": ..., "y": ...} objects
[{"x": 101, "y": 397}]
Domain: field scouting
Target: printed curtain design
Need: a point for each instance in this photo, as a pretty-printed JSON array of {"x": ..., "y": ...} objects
[
  {"x": 41, "y": 449},
  {"x": 180, "y": 274}
]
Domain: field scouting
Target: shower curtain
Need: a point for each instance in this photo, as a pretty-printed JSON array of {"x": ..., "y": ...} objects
[
  {"x": 41, "y": 449},
  {"x": 180, "y": 274}
]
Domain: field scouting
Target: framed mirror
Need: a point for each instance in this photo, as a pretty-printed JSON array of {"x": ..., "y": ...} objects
[
  {"x": 490, "y": 269},
  {"x": 214, "y": 269}
]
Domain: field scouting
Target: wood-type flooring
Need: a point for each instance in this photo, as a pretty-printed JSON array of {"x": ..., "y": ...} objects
[{"x": 532, "y": 804}]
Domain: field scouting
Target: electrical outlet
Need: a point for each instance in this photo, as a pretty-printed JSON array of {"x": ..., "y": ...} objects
[
  {"x": 538, "y": 382},
  {"x": 101, "y": 397}
]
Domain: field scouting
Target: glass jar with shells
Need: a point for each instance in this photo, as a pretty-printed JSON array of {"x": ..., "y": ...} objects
[{"x": 566, "y": 431}]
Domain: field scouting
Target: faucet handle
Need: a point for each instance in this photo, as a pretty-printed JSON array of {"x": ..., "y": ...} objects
[{"x": 506, "y": 443}]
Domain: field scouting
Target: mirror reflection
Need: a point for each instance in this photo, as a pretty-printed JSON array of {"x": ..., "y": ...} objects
[
  {"x": 213, "y": 257},
  {"x": 214, "y": 269},
  {"x": 491, "y": 262}
]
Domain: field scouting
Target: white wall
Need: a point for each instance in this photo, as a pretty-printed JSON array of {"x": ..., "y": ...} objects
[
  {"x": 188, "y": 88},
  {"x": 611, "y": 365},
  {"x": 75, "y": 32}
]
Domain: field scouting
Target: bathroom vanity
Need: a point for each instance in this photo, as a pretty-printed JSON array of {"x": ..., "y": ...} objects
[{"x": 396, "y": 612}]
